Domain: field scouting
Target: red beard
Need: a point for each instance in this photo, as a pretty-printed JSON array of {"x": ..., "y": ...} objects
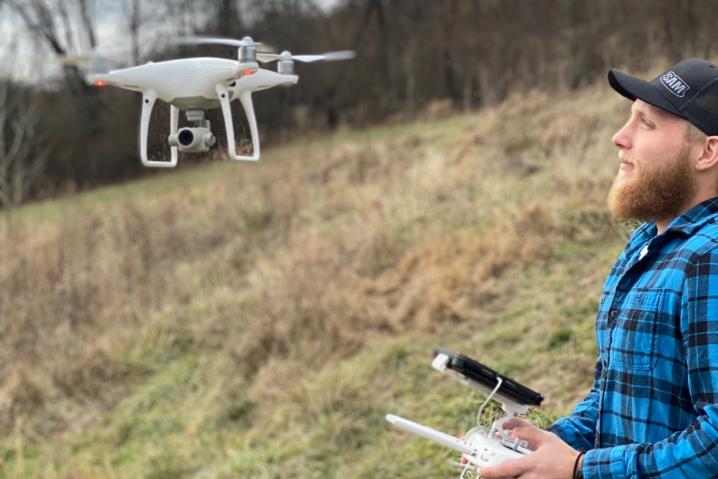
[{"x": 657, "y": 193}]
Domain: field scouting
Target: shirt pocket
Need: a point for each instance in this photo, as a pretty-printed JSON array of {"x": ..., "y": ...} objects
[{"x": 633, "y": 339}]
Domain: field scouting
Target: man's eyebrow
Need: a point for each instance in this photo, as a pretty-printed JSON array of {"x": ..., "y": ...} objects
[{"x": 643, "y": 113}]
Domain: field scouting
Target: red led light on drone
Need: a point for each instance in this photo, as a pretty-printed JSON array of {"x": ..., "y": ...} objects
[
  {"x": 100, "y": 83},
  {"x": 248, "y": 71}
]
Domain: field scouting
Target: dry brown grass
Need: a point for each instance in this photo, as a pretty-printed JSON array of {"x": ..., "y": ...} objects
[{"x": 301, "y": 256}]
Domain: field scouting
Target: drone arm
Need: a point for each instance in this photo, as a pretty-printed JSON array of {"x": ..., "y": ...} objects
[
  {"x": 246, "y": 99},
  {"x": 148, "y": 102}
]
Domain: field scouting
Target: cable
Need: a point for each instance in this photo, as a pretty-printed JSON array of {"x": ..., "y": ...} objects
[{"x": 488, "y": 398}]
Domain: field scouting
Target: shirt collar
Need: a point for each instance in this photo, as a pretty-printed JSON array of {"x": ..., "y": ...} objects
[{"x": 695, "y": 217}]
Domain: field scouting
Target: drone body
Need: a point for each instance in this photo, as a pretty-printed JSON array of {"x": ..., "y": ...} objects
[{"x": 198, "y": 84}]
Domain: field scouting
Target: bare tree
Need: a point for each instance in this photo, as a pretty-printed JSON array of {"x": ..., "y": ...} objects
[
  {"x": 75, "y": 22},
  {"x": 134, "y": 20},
  {"x": 23, "y": 151}
]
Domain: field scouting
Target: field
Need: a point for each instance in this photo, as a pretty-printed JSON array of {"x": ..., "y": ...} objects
[{"x": 259, "y": 320}]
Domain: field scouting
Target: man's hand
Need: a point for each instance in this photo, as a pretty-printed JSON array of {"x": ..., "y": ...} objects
[{"x": 552, "y": 458}]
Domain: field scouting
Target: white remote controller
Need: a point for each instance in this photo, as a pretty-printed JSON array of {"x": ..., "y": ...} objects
[
  {"x": 481, "y": 446},
  {"x": 478, "y": 448}
]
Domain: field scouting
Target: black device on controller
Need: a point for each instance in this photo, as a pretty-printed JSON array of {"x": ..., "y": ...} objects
[{"x": 487, "y": 377}]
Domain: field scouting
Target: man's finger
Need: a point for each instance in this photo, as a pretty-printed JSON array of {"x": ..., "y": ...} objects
[
  {"x": 532, "y": 434},
  {"x": 512, "y": 468},
  {"x": 516, "y": 422}
]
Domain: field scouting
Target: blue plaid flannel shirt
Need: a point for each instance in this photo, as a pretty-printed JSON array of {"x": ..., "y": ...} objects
[{"x": 653, "y": 408}]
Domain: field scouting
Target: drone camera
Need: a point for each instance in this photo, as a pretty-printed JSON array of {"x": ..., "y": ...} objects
[
  {"x": 193, "y": 140},
  {"x": 185, "y": 137}
]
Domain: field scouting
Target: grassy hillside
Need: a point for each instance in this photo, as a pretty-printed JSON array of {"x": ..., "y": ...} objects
[{"x": 243, "y": 320}]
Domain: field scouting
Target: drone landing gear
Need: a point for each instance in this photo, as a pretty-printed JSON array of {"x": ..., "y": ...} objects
[
  {"x": 246, "y": 99},
  {"x": 198, "y": 138},
  {"x": 148, "y": 102}
]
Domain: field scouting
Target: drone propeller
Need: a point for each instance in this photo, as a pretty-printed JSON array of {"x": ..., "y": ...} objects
[
  {"x": 95, "y": 62},
  {"x": 92, "y": 64},
  {"x": 200, "y": 40},
  {"x": 73, "y": 60},
  {"x": 247, "y": 52},
  {"x": 286, "y": 56}
]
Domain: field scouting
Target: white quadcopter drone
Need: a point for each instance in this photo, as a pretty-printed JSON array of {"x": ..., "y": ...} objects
[
  {"x": 199, "y": 84},
  {"x": 480, "y": 446}
]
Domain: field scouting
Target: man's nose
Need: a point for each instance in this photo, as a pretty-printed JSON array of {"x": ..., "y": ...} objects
[{"x": 622, "y": 138}]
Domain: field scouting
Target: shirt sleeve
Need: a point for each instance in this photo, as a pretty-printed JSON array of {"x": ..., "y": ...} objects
[
  {"x": 692, "y": 452},
  {"x": 578, "y": 429}
]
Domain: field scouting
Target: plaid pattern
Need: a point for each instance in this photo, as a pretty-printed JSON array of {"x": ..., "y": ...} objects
[{"x": 653, "y": 408}]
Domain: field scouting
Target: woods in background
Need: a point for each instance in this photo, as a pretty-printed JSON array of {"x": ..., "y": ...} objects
[{"x": 409, "y": 53}]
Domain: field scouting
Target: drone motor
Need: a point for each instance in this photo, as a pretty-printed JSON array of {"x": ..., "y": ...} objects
[
  {"x": 247, "y": 50},
  {"x": 285, "y": 67}
]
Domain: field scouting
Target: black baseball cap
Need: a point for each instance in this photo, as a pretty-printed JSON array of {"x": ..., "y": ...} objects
[{"x": 689, "y": 89}]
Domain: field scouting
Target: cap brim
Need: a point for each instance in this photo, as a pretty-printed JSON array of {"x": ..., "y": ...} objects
[{"x": 634, "y": 88}]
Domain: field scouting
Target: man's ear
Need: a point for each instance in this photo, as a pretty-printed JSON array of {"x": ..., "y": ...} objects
[{"x": 709, "y": 154}]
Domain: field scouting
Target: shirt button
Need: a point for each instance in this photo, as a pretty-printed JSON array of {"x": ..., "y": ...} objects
[{"x": 613, "y": 313}]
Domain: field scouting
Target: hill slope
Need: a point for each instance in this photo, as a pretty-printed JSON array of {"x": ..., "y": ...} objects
[{"x": 260, "y": 320}]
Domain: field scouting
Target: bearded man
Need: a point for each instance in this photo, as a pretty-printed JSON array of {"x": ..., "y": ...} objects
[{"x": 653, "y": 408}]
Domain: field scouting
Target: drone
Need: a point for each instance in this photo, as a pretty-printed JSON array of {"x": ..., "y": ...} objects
[
  {"x": 481, "y": 446},
  {"x": 195, "y": 85}
]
